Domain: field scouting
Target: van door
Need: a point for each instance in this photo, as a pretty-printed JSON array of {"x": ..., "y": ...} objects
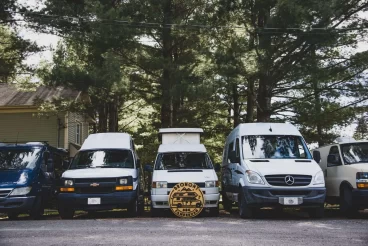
[
  {"x": 332, "y": 172},
  {"x": 238, "y": 171}
]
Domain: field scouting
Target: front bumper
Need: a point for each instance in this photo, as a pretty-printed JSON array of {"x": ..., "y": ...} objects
[
  {"x": 108, "y": 201},
  {"x": 16, "y": 204},
  {"x": 270, "y": 197},
  {"x": 360, "y": 198}
]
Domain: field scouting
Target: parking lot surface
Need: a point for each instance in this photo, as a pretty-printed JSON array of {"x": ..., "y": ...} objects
[{"x": 116, "y": 228}]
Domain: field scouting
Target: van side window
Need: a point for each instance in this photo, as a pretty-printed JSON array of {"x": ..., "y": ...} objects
[
  {"x": 237, "y": 150},
  {"x": 334, "y": 150},
  {"x": 230, "y": 148}
]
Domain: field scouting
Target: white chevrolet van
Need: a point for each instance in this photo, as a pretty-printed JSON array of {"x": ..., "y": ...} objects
[
  {"x": 103, "y": 175},
  {"x": 345, "y": 165},
  {"x": 181, "y": 158},
  {"x": 269, "y": 165}
]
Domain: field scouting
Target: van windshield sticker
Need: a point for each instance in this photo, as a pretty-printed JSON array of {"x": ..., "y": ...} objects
[{"x": 274, "y": 147}]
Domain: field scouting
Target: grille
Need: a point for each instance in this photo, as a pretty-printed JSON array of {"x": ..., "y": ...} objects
[
  {"x": 95, "y": 190},
  {"x": 279, "y": 180},
  {"x": 171, "y": 185},
  {"x": 290, "y": 192},
  {"x": 4, "y": 193},
  {"x": 95, "y": 180}
]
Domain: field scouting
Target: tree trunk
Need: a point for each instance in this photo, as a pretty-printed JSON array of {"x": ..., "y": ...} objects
[
  {"x": 166, "y": 103},
  {"x": 250, "y": 101},
  {"x": 236, "y": 116},
  {"x": 317, "y": 101},
  {"x": 102, "y": 118},
  {"x": 264, "y": 100},
  {"x": 113, "y": 115}
]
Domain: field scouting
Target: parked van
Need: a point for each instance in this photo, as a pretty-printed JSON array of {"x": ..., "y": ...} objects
[
  {"x": 182, "y": 158},
  {"x": 28, "y": 177},
  {"x": 269, "y": 165},
  {"x": 104, "y": 175},
  {"x": 345, "y": 166}
]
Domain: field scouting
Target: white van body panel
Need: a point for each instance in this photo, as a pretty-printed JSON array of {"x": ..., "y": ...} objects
[
  {"x": 182, "y": 140},
  {"x": 107, "y": 141}
]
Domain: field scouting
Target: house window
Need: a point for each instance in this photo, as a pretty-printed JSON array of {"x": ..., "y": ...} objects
[{"x": 78, "y": 134}]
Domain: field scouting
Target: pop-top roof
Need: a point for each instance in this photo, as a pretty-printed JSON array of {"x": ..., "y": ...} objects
[
  {"x": 251, "y": 129},
  {"x": 111, "y": 140},
  {"x": 182, "y": 130},
  {"x": 167, "y": 148}
]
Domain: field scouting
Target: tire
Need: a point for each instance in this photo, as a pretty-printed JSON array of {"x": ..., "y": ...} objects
[
  {"x": 346, "y": 202},
  {"x": 66, "y": 214},
  {"x": 316, "y": 213},
  {"x": 133, "y": 208},
  {"x": 155, "y": 212},
  {"x": 37, "y": 209},
  {"x": 245, "y": 212},
  {"x": 13, "y": 215},
  {"x": 226, "y": 202},
  {"x": 214, "y": 212}
]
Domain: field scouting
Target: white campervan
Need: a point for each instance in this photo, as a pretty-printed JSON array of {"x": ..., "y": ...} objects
[
  {"x": 269, "y": 165},
  {"x": 182, "y": 158},
  {"x": 345, "y": 165},
  {"x": 104, "y": 175}
]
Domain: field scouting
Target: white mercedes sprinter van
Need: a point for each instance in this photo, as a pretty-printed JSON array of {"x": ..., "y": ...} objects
[
  {"x": 269, "y": 165},
  {"x": 182, "y": 158},
  {"x": 345, "y": 165},
  {"x": 103, "y": 175}
]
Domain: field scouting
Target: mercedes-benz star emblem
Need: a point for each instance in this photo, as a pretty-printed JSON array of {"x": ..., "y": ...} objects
[{"x": 289, "y": 180}]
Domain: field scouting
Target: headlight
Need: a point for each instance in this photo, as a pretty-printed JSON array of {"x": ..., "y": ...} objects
[
  {"x": 211, "y": 184},
  {"x": 254, "y": 178},
  {"x": 21, "y": 191},
  {"x": 68, "y": 182},
  {"x": 319, "y": 178},
  {"x": 159, "y": 184},
  {"x": 123, "y": 181},
  {"x": 362, "y": 180}
]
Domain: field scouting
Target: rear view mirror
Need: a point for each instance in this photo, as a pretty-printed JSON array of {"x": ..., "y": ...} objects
[
  {"x": 148, "y": 168},
  {"x": 333, "y": 160},
  {"x": 66, "y": 165},
  {"x": 317, "y": 156},
  {"x": 233, "y": 158},
  {"x": 217, "y": 168}
]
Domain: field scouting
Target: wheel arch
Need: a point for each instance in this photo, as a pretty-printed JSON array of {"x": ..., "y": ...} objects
[{"x": 345, "y": 184}]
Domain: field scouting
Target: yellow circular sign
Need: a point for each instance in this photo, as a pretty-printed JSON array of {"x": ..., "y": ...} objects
[{"x": 186, "y": 200}]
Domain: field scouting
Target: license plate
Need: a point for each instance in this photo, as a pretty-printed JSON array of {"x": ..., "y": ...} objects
[
  {"x": 94, "y": 201},
  {"x": 290, "y": 201}
]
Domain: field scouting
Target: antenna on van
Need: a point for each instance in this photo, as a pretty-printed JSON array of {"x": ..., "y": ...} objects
[
  {"x": 16, "y": 142},
  {"x": 270, "y": 129}
]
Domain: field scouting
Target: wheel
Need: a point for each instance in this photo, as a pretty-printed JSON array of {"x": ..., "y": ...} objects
[
  {"x": 226, "y": 203},
  {"x": 244, "y": 210},
  {"x": 346, "y": 202},
  {"x": 13, "y": 215},
  {"x": 133, "y": 208},
  {"x": 66, "y": 213},
  {"x": 316, "y": 213},
  {"x": 37, "y": 209},
  {"x": 214, "y": 212}
]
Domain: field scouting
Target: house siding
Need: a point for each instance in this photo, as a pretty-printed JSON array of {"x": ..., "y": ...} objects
[{"x": 26, "y": 127}]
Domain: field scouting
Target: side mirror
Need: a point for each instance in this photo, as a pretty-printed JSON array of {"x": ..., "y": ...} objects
[
  {"x": 148, "y": 168},
  {"x": 333, "y": 160},
  {"x": 217, "y": 168},
  {"x": 317, "y": 156},
  {"x": 66, "y": 165},
  {"x": 50, "y": 166}
]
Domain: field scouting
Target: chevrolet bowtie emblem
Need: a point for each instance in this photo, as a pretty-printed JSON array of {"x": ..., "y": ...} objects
[{"x": 95, "y": 184}]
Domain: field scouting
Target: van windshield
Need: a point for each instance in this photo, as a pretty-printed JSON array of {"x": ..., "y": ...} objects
[
  {"x": 183, "y": 160},
  {"x": 355, "y": 152},
  {"x": 274, "y": 147},
  {"x": 15, "y": 159},
  {"x": 103, "y": 159}
]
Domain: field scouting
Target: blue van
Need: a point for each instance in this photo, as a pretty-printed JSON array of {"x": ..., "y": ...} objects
[{"x": 28, "y": 177}]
